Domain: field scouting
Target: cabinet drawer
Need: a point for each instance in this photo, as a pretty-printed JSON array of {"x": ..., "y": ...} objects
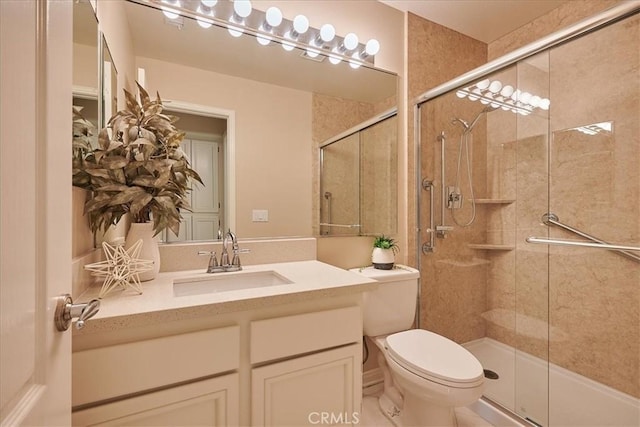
[
  {"x": 288, "y": 336},
  {"x": 108, "y": 372},
  {"x": 212, "y": 402}
]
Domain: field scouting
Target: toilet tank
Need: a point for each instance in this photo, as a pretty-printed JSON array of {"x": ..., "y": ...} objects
[{"x": 392, "y": 307}]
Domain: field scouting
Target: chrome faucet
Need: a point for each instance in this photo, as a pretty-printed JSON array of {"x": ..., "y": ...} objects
[
  {"x": 235, "y": 264},
  {"x": 225, "y": 265}
]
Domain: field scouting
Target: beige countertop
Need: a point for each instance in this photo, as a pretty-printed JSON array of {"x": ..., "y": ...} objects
[{"x": 158, "y": 303}]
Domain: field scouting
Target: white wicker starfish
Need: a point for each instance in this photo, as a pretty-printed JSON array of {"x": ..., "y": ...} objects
[{"x": 121, "y": 269}]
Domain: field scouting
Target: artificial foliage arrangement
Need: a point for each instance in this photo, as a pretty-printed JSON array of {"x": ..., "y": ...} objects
[{"x": 138, "y": 168}]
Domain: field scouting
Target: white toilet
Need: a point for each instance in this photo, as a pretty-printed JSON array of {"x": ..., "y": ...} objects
[{"x": 426, "y": 374}]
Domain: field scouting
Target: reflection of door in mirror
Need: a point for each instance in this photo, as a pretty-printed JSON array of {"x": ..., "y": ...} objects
[
  {"x": 339, "y": 205},
  {"x": 358, "y": 194},
  {"x": 109, "y": 82},
  {"x": 204, "y": 145}
]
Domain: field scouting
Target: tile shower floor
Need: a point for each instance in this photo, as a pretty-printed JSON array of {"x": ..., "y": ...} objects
[{"x": 372, "y": 416}]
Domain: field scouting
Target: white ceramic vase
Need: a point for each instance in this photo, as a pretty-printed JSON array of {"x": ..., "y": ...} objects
[
  {"x": 150, "y": 251},
  {"x": 383, "y": 259}
]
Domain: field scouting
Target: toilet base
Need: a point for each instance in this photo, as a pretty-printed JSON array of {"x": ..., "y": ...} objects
[{"x": 417, "y": 413}]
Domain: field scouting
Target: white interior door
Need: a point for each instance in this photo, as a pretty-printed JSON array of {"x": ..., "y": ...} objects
[{"x": 35, "y": 210}]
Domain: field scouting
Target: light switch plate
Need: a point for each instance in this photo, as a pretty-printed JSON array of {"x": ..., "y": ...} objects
[{"x": 260, "y": 215}]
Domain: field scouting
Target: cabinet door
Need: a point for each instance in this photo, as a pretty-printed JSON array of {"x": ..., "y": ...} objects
[
  {"x": 212, "y": 402},
  {"x": 322, "y": 388}
]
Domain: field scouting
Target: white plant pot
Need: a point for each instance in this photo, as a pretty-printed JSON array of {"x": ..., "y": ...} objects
[
  {"x": 149, "y": 250},
  {"x": 383, "y": 259}
]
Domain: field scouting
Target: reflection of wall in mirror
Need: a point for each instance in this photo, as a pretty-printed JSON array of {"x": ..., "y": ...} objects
[
  {"x": 379, "y": 172},
  {"x": 272, "y": 142}
]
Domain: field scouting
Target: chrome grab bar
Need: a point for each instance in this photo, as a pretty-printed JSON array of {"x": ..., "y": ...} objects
[
  {"x": 552, "y": 219},
  {"x": 430, "y": 246},
  {"x": 340, "y": 225}
]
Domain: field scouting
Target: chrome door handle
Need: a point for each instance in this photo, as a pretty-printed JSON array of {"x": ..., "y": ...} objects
[{"x": 67, "y": 310}]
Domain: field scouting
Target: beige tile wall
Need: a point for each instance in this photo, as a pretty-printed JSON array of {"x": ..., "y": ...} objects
[{"x": 452, "y": 278}]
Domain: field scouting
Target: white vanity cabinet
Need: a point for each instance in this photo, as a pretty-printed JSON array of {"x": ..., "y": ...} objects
[{"x": 282, "y": 364}]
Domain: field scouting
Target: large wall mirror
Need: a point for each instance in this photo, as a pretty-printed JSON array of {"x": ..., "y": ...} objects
[{"x": 258, "y": 114}]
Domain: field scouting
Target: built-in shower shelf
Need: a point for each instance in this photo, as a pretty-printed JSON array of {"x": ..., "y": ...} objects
[
  {"x": 494, "y": 201},
  {"x": 490, "y": 247}
]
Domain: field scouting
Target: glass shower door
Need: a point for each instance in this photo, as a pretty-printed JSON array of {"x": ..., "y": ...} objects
[{"x": 594, "y": 188}]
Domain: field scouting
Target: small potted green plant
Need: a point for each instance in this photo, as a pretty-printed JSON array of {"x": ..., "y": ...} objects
[{"x": 384, "y": 251}]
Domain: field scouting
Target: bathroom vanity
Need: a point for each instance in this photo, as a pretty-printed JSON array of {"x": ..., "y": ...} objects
[{"x": 274, "y": 344}]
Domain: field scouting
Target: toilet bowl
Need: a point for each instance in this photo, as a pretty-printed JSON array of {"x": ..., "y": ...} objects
[{"x": 426, "y": 374}]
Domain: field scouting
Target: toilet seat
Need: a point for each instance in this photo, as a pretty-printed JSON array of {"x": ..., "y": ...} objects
[{"x": 436, "y": 358}]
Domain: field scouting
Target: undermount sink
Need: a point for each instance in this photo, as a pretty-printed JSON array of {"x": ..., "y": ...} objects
[{"x": 225, "y": 282}]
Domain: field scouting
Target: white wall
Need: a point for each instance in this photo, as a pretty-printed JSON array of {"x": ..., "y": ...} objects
[{"x": 272, "y": 142}]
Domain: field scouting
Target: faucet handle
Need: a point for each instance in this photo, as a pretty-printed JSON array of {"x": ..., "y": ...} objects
[
  {"x": 213, "y": 261},
  {"x": 235, "y": 262}
]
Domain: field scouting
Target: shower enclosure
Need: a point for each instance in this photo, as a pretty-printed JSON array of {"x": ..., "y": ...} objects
[{"x": 528, "y": 169}]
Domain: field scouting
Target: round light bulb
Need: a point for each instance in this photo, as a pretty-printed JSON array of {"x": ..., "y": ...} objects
[
  {"x": 286, "y": 45},
  {"x": 209, "y": 3},
  {"x": 495, "y": 86},
  {"x": 235, "y": 31},
  {"x": 461, "y": 94},
  {"x": 506, "y": 91},
  {"x": 372, "y": 47},
  {"x": 476, "y": 91},
  {"x": 483, "y": 84},
  {"x": 300, "y": 24},
  {"x": 263, "y": 40},
  {"x": 354, "y": 62},
  {"x": 170, "y": 13},
  {"x": 545, "y": 103},
  {"x": 486, "y": 98},
  {"x": 333, "y": 56},
  {"x": 203, "y": 22},
  {"x": 312, "y": 53},
  {"x": 273, "y": 16},
  {"x": 524, "y": 97},
  {"x": 327, "y": 33},
  {"x": 350, "y": 41},
  {"x": 515, "y": 95},
  {"x": 242, "y": 8},
  {"x": 535, "y": 101}
]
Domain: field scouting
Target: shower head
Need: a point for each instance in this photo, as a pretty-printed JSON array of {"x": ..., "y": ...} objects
[{"x": 469, "y": 127}]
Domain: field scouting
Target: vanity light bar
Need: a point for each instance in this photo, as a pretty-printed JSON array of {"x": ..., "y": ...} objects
[
  {"x": 506, "y": 97},
  {"x": 238, "y": 17}
]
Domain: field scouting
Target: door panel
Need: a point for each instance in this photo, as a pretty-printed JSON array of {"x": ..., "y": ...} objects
[{"x": 35, "y": 227}]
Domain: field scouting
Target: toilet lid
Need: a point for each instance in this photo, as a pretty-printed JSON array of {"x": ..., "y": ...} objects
[{"x": 434, "y": 356}]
